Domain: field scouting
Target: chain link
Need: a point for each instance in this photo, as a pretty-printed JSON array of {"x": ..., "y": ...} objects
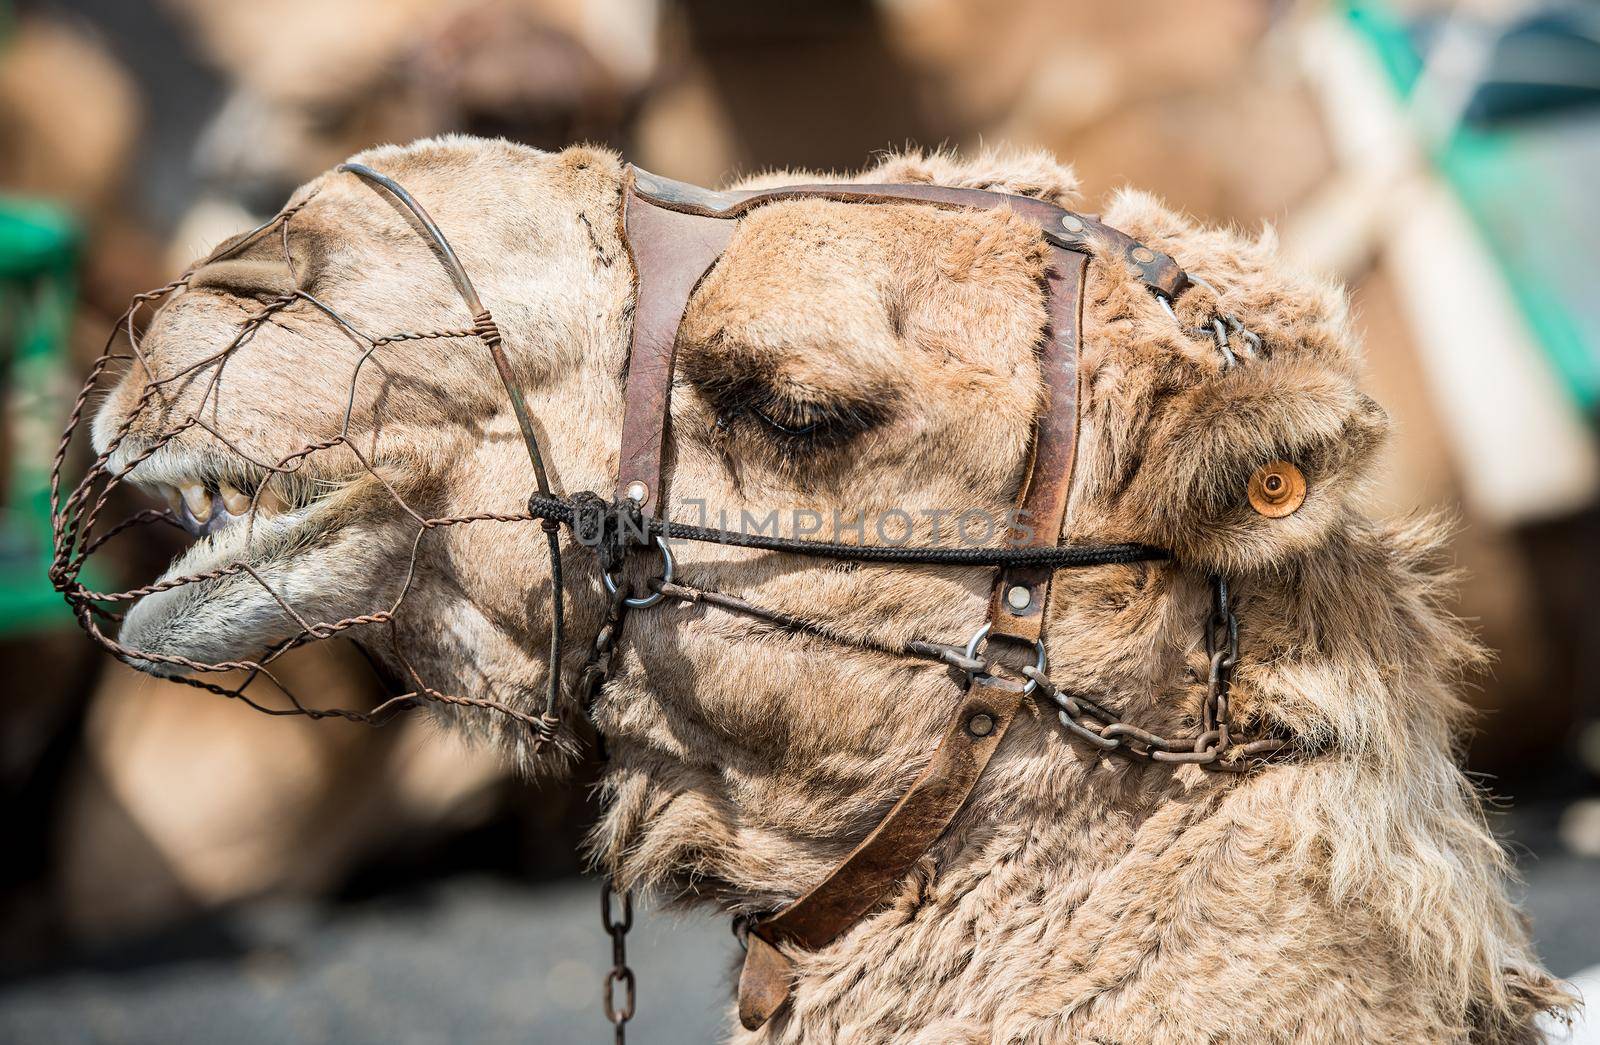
[
  {"x": 620, "y": 973},
  {"x": 596, "y": 672},
  {"x": 1213, "y": 747}
]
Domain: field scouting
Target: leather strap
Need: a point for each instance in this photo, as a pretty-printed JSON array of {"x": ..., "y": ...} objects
[
  {"x": 671, "y": 252},
  {"x": 675, "y": 233},
  {"x": 766, "y": 979},
  {"x": 1021, "y": 594},
  {"x": 1062, "y": 227},
  {"x": 884, "y": 857}
]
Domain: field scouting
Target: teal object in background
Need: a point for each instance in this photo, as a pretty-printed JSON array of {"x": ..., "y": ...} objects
[
  {"x": 39, "y": 252},
  {"x": 1529, "y": 187}
]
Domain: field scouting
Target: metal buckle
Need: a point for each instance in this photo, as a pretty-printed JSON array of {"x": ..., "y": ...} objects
[
  {"x": 972, "y": 652},
  {"x": 655, "y": 596}
]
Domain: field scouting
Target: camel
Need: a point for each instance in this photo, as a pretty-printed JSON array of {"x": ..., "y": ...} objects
[
  {"x": 311, "y": 81},
  {"x": 867, "y": 359}
]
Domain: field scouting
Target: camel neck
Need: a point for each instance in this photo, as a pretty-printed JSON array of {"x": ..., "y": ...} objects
[{"x": 974, "y": 921}]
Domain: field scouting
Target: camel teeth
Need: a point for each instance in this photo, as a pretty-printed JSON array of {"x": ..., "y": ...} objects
[
  {"x": 198, "y": 500},
  {"x": 233, "y": 500},
  {"x": 173, "y": 497},
  {"x": 269, "y": 500}
]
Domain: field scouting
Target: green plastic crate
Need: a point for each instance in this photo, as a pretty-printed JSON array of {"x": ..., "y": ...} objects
[{"x": 39, "y": 252}]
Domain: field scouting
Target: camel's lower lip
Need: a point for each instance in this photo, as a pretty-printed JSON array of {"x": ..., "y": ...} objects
[
  {"x": 226, "y": 538},
  {"x": 197, "y": 607}
]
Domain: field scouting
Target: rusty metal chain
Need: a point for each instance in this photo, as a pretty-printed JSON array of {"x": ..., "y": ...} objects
[
  {"x": 620, "y": 973},
  {"x": 1214, "y": 746},
  {"x": 596, "y": 673}
]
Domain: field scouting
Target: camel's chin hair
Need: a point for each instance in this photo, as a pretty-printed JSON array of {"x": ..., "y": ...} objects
[{"x": 233, "y": 617}]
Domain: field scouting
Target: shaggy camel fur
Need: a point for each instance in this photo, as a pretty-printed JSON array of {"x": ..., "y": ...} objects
[{"x": 1352, "y": 894}]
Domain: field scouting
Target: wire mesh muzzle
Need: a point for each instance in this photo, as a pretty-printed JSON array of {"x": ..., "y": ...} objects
[{"x": 79, "y": 511}]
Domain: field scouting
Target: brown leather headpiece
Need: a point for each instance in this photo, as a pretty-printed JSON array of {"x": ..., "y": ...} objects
[{"x": 675, "y": 233}]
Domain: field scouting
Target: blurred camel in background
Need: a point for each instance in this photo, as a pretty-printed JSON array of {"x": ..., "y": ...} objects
[{"x": 311, "y": 81}]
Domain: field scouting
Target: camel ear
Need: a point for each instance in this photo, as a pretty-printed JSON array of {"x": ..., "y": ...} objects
[{"x": 1193, "y": 494}]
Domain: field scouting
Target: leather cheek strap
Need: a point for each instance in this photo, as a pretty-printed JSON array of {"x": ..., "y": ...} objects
[
  {"x": 671, "y": 251},
  {"x": 1022, "y": 593},
  {"x": 909, "y": 829},
  {"x": 1016, "y": 612}
]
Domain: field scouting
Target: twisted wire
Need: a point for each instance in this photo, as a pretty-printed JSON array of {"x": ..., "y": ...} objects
[{"x": 77, "y": 508}]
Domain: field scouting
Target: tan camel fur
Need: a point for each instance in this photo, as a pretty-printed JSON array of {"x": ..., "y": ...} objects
[{"x": 1353, "y": 894}]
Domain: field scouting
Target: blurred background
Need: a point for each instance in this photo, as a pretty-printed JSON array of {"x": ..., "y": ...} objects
[{"x": 181, "y": 869}]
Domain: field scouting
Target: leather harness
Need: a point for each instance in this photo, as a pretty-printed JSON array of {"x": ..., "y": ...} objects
[{"x": 675, "y": 233}]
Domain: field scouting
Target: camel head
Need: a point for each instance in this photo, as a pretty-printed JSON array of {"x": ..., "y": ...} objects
[
  {"x": 851, "y": 372},
  {"x": 332, "y": 532},
  {"x": 844, "y": 370}
]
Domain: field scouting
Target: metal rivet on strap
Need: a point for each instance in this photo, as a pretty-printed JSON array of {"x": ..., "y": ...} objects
[
  {"x": 1143, "y": 255},
  {"x": 1072, "y": 223},
  {"x": 981, "y": 724},
  {"x": 1019, "y": 597},
  {"x": 637, "y": 491},
  {"x": 1277, "y": 489}
]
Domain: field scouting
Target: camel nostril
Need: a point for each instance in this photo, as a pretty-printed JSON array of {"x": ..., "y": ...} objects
[{"x": 245, "y": 277}]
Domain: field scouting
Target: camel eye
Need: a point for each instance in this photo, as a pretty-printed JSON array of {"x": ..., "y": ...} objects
[
  {"x": 794, "y": 426},
  {"x": 794, "y": 423}
]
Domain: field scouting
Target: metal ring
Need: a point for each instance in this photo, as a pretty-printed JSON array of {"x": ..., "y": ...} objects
[
  {"x": 1250, "y": 337},
  {"x": 1219, "y": 334},
  {"x": 979, "y": 635},
  {"x": 655, "y": 596}
]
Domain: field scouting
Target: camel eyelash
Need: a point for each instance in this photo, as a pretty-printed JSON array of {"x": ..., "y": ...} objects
[
  {"x": 794, "y": 420},
  {"x": 795, "y": 425}
]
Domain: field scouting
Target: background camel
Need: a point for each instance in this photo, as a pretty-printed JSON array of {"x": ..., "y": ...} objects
[
  {"x": 312, "y": 82},
  {"x": 1351, "y": 894}
]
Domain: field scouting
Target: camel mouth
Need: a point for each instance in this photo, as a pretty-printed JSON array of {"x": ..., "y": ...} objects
[
  {"x": 208, "y": 493},
  {"x": 233, "y": 512},
  {"x": 207, "y": 506},
  {"x": 250, "y": 527}
]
